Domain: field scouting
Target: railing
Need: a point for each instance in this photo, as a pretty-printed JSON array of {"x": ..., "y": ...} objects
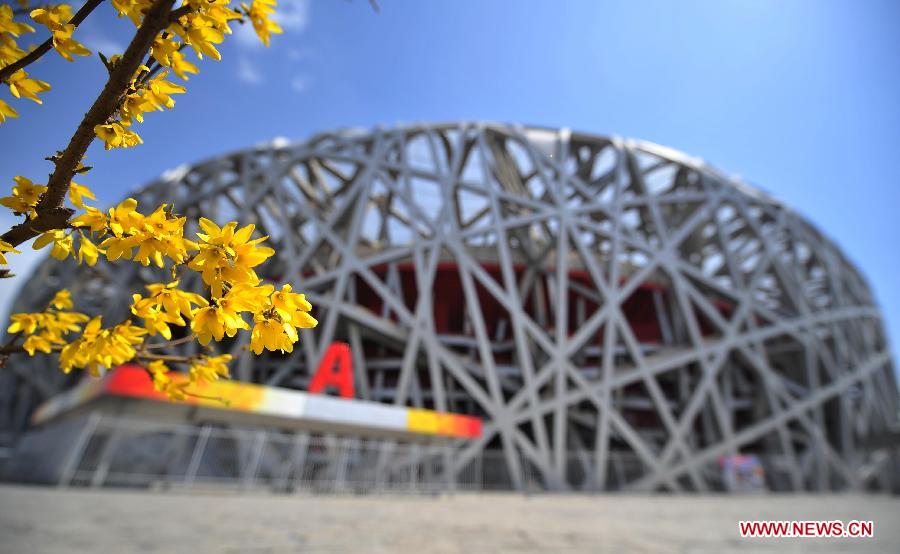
[{"x": 114, "y": 451}]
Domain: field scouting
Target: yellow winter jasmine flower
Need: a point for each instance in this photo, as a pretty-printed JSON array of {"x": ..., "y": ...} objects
[
  {"x": 293, "y": 308},
  {"x": 100, "y": 347},
  {"x": 5, "y": 248},
  {"x": 133, "y": 9},
  {"x": 155, "y": 321},
  {"x": 62, "y": 243},
  {"x": 260, "y": 12},
  {"x": 163, "y": 383},
  {"x": 9, "y": 25},
  {"x": 158, "y": 92},
  {"x": 62, "y": 300},
  {"x": 124, "y": 218},
  {"x": 210, "y": 368},
  {"x": 25, "y": 195},
  {"x": 5, "y": 109},
  {"x": 21, "y": 86},
  {"x": 224, "y": 317},
  {"x": 65, "y": 45},
  {"x": 77, "y": 194},
  {"x": 135, "y": 105},
  {"x": 117, "y": 135},
  {"x": 206, "y": 325},
  {"x": 24, "y": 323},
  {"x": 65, "y": 322},
  {"x": 196, "y": 33},
  {"x": 87, "y": 251},
  {"x": 158, "y": 235},
  {"x": 93, "y": 219},
  {"x": 174, "y": 301},
  {"x": 42, "y": 342},
  {"x": 217, "y": 14},
  {"x": 159, "y": 372},
  {"x": 227, "y": 254},
  {"x": 45, "y": 330},
  {"x": 52, "y": 17},
  {"x": 272, "y": 334},
  {"x": 9, "y": 50}
]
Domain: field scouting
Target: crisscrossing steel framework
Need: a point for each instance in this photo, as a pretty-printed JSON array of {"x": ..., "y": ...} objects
[{"x": 583, "y": 294}]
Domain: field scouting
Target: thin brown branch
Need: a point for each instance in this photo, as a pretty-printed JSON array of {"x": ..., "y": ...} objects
[
  {"x": 171, "y": 343},
  {"x": 45, "y": 46},
  {"x": 10, "y": 349},
  {"x": 51, "y": 214},
  {"x": 179, "y": 13}
]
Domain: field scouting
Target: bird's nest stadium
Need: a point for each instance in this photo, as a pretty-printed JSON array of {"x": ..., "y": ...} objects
[{"x": 620, "y": 316}]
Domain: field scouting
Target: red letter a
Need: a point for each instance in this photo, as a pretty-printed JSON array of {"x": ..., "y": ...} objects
[{"x": 335, "y": 370}]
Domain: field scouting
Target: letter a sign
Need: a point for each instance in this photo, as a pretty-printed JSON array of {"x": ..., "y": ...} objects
[{"x": 335, "y": 370}]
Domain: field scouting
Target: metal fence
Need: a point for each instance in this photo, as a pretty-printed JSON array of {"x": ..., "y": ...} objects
[
  {"x": 108, "y": 450},
  {"x": 120, "y": 452}
]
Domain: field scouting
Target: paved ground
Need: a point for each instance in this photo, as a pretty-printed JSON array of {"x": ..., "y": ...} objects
[{"x": 46, "y": 520}]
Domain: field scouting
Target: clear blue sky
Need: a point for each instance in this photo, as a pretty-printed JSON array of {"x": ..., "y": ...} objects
[{"x": 801, "y": 98}]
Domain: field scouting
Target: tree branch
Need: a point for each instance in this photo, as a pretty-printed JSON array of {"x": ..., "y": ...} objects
[
  {"x": 10, "y": 349},
  {"x": 45, "y": 46},
  {"x": 50, "y": 209}
]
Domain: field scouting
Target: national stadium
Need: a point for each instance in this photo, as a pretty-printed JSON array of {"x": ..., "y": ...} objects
[{"x": 509, "y": 308}]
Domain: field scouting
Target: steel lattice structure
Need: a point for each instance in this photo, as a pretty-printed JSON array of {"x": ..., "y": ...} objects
[{"x": 620, "y": 314}]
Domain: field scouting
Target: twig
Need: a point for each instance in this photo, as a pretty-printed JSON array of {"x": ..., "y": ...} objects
[
  {"x": 169, "y": 344},
  {"x": 10, "y": 349}
]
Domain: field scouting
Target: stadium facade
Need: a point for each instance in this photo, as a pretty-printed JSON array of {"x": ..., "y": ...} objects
[{"x": 619, "y": 315}]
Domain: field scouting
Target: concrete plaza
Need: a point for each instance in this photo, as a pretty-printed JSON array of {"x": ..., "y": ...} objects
[{"x": 45, "y": 520}]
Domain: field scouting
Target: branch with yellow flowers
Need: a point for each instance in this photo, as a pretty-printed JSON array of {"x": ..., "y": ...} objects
[
  {"x": 51, "y": 214},
  {"x": 234, "y": 298},
  {"x": 45, "y": 46}
]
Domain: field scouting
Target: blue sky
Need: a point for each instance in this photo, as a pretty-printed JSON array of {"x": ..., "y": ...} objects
[{"x": 801, "y": 98}]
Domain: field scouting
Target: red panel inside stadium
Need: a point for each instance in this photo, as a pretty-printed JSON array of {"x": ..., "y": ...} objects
[{"x": 448, "y": 297}]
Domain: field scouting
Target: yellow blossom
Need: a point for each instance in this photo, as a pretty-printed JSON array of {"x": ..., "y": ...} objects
[
  {"x": 93, "y": 218},
  {"x": 100, "y": 347},
  {"x": 21, "y": 86},
  {"x": 155, "y": 321},
  {"x": 77, "y": 194},
  {"x": 6, "y": 110},
  {"x": 206, "y": 325},
  {"x": 158, "y": 235},
  {"x": 87, "y": 251},
  {"x": 9, "y": 50},
  {"x": 165, "y": 51},
  {"x": 228, "y": 255},
  {"x": 45, "y": 330},
  {"x": 42, "y": 342},
  {"x": 133, "y": 9},
  {"x": 62, "y": 300},
  {"x": 117, "y": 135},
  {"x": 293, "y": 308},
  {"x": 25, "y": 195},
  {"x": 210, "y": 368},
  {"x": 65, "y": 45},
  {"x": 62, "y": 243},
  {"x": 9, "y": 25},
  {"x": 56, "y": 19},
  {"x": 158, "y": 92},
  {"x": 260, "y": 13},
  {"x": 196, "y": 33},
  {"x": 175, "y": 301},
  {"x": 124, "y": 217},
  {"x": 272, "y": 334},
  {"x": 5, "y": 248}
]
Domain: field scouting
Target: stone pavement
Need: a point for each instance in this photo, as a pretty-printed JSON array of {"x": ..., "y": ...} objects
[{"x": 45, "y": 520}]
